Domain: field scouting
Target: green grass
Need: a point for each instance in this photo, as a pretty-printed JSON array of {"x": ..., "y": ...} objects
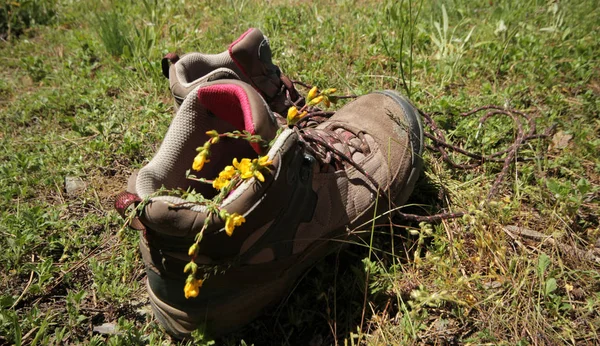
[{"x": 79, "y": 99}]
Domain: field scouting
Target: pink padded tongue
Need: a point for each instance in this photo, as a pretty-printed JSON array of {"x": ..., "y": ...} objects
[{"x": 230, "y": 103}]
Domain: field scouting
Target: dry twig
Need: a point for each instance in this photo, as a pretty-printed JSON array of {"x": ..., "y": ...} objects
[{"x": 546, "y": 239}]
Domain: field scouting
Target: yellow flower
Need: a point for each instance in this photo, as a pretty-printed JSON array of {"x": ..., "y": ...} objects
[
  {"x": 227, "y": 173},
  {"x": 292, "y": 115},
  {"x": 249, "y": 168},
  {"x": 200, "y": 160},
  {"x": 224, "y": 177},
  {"x": 259, "y": 176},
  {"x": 292, "y": 112},
  {"x": 258, "y": 164},
  {"x": 312, "y": 94},
  {"x": 315, "y": 101},
  {"x": 220, "y": 183},
  {"x": 244, "y": 167},
  {"x": 232, "y": 221},
  {"x": 192, "y": 287},
  {"x": 264, "y": 161},
  {"x": 329, "y": 91}
]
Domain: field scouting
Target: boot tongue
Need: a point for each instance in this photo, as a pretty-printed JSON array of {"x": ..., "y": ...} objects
[
  {"x": 252, "y": 54},
  {"x": 240, "y": 105}
]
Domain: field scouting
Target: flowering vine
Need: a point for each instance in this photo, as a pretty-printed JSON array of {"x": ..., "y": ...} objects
[
  {"x": 230, "y": 178},
  {"x": 313, "y": 98}
]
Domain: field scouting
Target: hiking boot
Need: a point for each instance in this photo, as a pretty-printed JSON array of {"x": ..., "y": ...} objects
[
  {"x": 247, "y": 59},
  {"x": 323, "y": 186}
]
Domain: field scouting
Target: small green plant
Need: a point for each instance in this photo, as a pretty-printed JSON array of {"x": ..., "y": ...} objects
[
  {"x": 558, "y": 21},
  {"x": 448, "y": 47},
  {"x": 17, "y": 16},
  {"x": 114, "y": 32},
  {"x": 403, "y": 18},
  {"x": 35, "y": 67}
]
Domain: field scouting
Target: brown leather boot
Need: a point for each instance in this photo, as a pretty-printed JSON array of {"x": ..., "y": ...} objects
[{"x": 323, "y": 186}]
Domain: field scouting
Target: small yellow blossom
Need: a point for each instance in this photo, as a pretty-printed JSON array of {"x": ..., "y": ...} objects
[
  {"x": 259, "y": 163},
  {"x": 193, "y": 250},
  {"x": 232, "y": 221},
  {"x": 251, "y": 168},
  {"x": 293, "y": 115},
  {"x": 316, "y": 100},
  {"x": 292, "y": 112},
  {"x": 227, "y": 173},
  {"x": 264, "y": 161},
  {"x": 214, "y": 136},
  {"x": 224, "y": 177},
  {"x": 259, "y": 176},
  {"x": 200, "y": 160},
  {"x": 244, "y": 167},
  {"x": 192, "y": 287},
  {"x": 329, "y": 91},
  {"x": 312, "y": 94},
  {"x": 220, "y": 183},
  {"x": 212, "y": 133}
]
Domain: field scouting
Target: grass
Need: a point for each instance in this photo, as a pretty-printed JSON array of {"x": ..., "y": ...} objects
[{"x": 74, "y": 104}]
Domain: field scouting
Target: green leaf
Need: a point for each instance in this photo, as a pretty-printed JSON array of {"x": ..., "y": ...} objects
[
  {"x": 551, "y": 286},
  {"x": 583, "y": 185},
  {"x": 445, "y": 21},
  {"x": 555, "y": 187},
  {"x": 543, "y": 263}
]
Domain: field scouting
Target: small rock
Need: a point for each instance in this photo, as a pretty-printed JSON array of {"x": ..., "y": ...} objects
[
  {"x": 74, "y": 185},
  {"x": 492, "y": 284},
  {"x": 560, "y": 140},
  {"x": 106, "y": 328},
  {"x": 144, "y": 311},
  {"x": 578, "y": 294}
]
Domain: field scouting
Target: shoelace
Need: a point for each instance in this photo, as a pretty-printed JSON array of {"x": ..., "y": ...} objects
[
  {"x": 332, "y": 146},
  {"x": 339, "y": 138},
  {"x": 322, "y": 144}
]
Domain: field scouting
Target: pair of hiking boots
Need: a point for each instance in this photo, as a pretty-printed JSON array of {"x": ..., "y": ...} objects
[{"x": 327, "y": 177}]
